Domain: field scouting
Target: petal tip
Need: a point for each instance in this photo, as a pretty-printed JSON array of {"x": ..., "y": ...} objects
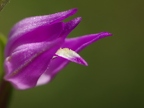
[
  {"x": 85, "y": 63},
  {"x": 80, "y": 60},
  {"x": 73, "y": 10},
  {"x": 70, "y": 12},
  {"x": 106, "y": 34},
  {"x": 78, "y": 19}
]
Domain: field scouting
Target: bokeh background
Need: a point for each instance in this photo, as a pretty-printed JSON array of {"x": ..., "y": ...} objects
[{"x": 115, "y": 75}]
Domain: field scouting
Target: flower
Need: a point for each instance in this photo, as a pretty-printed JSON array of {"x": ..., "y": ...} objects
[{"x": 38, "y": 49}]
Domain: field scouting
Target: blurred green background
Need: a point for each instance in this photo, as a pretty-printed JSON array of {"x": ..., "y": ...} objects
[{"x": 115, "y": 75}]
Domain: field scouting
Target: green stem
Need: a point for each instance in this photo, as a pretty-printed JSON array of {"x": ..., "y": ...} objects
[
  {"x": 3, "y": 3},
  {"x": 2, "y": 45},
  {"x": 5, "y": 94},
  {"x": 5, "y": 87}
]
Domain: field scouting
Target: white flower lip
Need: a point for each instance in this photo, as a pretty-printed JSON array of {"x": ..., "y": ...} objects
[{"x": 71, "y": 55}]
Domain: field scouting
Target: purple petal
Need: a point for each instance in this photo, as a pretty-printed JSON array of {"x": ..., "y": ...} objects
[
  {"x": 43, "y": 33},
  {"x": 38, "y": 21},
  {"x": 69, "y": 26},
  {"x": 83, "y": 41},
  {"x": 76, "y": 44},
  {"x": 31, "y": 24},
  {"x": 29, "y": 62}
]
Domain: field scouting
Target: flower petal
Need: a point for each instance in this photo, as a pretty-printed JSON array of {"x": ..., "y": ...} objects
[
  {"x": 76, "y": 44},
  {"x": 69, "y": 26},
  {"x": 25, "y": 66},
  {"x": 37, "y": 21},
  {"x": 31, "y": 24},
  {"x": 39, "y": 34}
]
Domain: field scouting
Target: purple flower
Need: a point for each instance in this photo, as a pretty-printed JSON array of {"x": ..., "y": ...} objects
[{"x": 38, "y": 49}]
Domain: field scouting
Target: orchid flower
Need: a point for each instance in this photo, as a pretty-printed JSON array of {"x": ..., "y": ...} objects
[{"x": 38, "y": 48}]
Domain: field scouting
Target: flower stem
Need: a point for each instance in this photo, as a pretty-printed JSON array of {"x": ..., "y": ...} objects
[
  {"x": 5, "y": 87},
  {"x": 5, "y": 94}
]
